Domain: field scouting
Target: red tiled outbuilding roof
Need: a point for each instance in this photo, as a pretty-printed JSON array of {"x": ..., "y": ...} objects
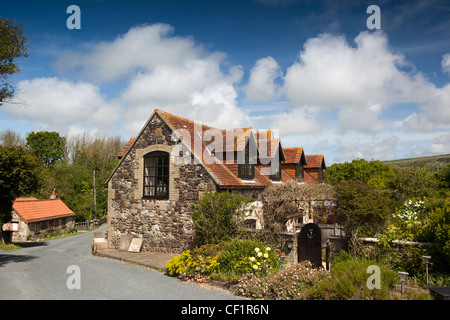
[{"x": 37, "y": 210}]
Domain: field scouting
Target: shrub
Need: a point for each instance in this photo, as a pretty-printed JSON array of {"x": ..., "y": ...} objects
[
  {"x": 192, "y": 267},
  {"x": 243, "y": 256},
  {"x": 298, "y": 282},
  {"x": 216, "y": 216},
  {"x": 348, "y": 281},
  {"x": 292, "y": 283},
  {"x": 177, "y": 264},
  {"x": 437, "y": 230},
  {"x": 253, "y": 286}
]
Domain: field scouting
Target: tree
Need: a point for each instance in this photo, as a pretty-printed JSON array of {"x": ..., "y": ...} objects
[
  {"x": 437, "y": 231},
  {"x": 48, "y": 146},
  {"x": 12, "y": 46},
  {"x": 374, "y": 172},
  {"x": 412, "y": 182},
  {"x": 361, "y": 207},
  {"x": 443, "y": 178},
  {"x": 9, "y": 138},
  {"x": 281, "y": 202},
  {"x": 20, "y": 174}
]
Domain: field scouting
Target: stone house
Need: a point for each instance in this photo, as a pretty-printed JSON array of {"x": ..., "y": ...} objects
[
  {"x": 171, "y": 163},
  {"x": 32, "y": 217}
]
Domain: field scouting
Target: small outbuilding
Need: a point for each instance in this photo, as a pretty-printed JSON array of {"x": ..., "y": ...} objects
[{"x": 32, "y": 217}]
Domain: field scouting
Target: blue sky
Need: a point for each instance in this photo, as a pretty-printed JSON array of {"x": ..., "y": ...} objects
[{"x": 310, "y": 70}]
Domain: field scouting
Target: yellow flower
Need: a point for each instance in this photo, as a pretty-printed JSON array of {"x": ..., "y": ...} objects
[
  {"x": 267, "y": 248},
  {"x": 255, "y": 267},
  {"x": 257, "y": 249},
  {"x": 266, "y": 255}
]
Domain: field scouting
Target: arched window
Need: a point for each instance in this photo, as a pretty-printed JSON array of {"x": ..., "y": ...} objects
[{"x": 156, "y": 175}]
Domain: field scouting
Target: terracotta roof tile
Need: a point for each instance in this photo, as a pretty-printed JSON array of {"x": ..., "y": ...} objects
[
  {"x": 293, "y": 155},
  {"x": 125, "y": 148},
  {"x": 309, "y": 179},
  {"x": 223, "y": 173},
  {"x": 315, "y": 161},
  {"x": 37, "y": 210}
]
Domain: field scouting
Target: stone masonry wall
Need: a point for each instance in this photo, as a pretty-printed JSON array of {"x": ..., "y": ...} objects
[{"x": 165, "y": 225}]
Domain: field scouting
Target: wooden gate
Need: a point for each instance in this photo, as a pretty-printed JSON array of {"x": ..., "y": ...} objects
[{"x": 310, "y": 244}]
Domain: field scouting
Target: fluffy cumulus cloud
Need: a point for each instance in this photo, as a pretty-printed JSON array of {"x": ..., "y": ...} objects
[
  {"x": 164, "y": 71},
  {"x": 294, "y": 122},
  {"x": 69, "y": 107},
  {"x": 155, "y": 68},
  {"x": 261, "y": 84},
  {"x": 440, "y": 145},
  {"x": 361, "y": 80}
]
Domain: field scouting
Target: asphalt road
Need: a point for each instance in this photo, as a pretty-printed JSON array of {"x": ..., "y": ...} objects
[{"x": 64, "y": 269}]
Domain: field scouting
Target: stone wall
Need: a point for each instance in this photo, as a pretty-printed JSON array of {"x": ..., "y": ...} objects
[
  {"x": 165, "y": 225},
  {"x": 40, "y": 228}
]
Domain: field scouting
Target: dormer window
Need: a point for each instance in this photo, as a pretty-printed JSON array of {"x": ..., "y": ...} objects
[
  {"x": 156, "y": 175},
  {"x": 246, "y": 170},
  {"x": 320, "y": 174},
  {"x": 276, "y": 170},
  {"x": 299, "y": 173}
]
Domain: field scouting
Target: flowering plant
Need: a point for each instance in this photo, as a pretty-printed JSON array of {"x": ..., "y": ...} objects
[
  {"x": 289, "y": 283},
  {"x": 192, "y": 268},
  {"x": 412, "y": 210},
  {"x": 262, "y": 261}
]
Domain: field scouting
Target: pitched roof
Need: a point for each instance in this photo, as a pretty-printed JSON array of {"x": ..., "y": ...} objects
[
  {"x": 315, "y": 161},
  {"x": 294, "y": 155},
  {"x": 37, "y": 210},
  {"x": 125, "y": 148},
  {"x": 309, "y": 179},
  {"x": 224, "y": 174}
]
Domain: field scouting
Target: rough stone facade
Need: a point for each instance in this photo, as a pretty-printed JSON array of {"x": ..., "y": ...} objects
[
  {"x": 164, "y": 225},
  {"x": 27, "y": 231}
]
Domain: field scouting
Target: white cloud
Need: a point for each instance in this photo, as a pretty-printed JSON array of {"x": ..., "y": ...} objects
[
  {"x": 261, "y": 86},
  {"x": 331, "y": 73},
  {"x": 441, "y": 145},
  {"x": 143, "y": 48},
  {"x": 296, "y": 121},
  {"x": 445, "y": 63},
  {"x": 361, "y": 82},
  {"x": 167, "y": 72},
  {"x": 361, "y": 119},
  {"x": 63, "y": 105}
]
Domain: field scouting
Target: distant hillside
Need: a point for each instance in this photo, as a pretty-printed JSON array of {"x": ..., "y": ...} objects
[{"x": 415, "y": 162}]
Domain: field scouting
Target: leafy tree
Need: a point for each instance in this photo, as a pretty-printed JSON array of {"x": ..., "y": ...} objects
[
  {"x": 411, "y": 182},
  {"x": 48, "y": 146},
  {"x": 361, "y": 208},
  {"x": 216, "y": 216},
  {"x": 443, "y": 178},
  {"x": 20, "y": 174},
  {"x": 374, "y": 172},
  {"x": 437, "y": 231},
  {"x": 12, "y": 46}
]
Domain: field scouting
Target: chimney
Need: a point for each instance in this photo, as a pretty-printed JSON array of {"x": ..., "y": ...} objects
[{"x": 53, "y": 196}]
